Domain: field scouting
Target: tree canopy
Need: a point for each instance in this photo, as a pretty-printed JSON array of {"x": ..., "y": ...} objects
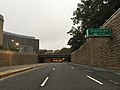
[
  {"x": 89, "y": 14},
  {"x": 64, "y": 50}
]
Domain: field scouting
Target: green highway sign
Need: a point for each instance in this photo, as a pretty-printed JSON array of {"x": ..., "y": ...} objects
[{"x": 96, "y": 32}]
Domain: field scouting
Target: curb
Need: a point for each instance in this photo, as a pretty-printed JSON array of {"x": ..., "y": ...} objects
[{"x": 10, "y": 72}]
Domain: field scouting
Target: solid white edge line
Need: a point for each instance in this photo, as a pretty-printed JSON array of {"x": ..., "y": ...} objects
[
  {"x": 95, "y": 80},
  {"x": 43, "y": 84}
]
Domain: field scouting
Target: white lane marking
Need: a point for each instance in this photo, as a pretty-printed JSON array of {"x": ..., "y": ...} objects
[
  {"x": 113, "y": 81},
  {"x": 116, "y": 82},
  {"x": 53, "y": 69},
  {"x": 95, "y": 80},
  {"x": 43, "y": 84},
  {"x": 72, "y": 67}
]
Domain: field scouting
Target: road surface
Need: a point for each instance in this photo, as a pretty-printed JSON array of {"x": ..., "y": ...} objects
[{"x": 57, "y": 76}]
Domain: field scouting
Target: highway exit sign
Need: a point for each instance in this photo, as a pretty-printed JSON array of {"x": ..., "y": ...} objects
[{"x": 96, "y": 32}]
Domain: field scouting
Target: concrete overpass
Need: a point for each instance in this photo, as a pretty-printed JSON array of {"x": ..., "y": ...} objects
[{"x": 42, "y": 57}]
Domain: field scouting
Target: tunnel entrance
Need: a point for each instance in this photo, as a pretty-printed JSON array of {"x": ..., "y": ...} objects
[{"x": 46, "y": 58}]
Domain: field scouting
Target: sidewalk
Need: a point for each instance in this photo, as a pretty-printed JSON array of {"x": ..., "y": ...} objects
[{"x": 8, "y": 70}]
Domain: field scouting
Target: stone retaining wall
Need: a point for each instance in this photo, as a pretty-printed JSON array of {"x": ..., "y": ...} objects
[
  {"x": 11, "y": 58},
  {"x": 102, "y": 52}
]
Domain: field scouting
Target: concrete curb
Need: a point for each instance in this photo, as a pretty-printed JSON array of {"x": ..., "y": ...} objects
[{"x": 10, "y": 72}]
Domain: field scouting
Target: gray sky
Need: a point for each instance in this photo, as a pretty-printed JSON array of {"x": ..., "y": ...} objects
[{"x": 47, "y": 20}]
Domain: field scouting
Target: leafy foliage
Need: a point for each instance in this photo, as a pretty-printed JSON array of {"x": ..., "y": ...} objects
[
  {"x": 77, "y": 39},
  {"x": 89, "y": 14},
  {"x": 64, "y": 50}
]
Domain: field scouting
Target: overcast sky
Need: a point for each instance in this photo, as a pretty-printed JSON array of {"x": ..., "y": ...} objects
[{"x": 47, "y": 20}]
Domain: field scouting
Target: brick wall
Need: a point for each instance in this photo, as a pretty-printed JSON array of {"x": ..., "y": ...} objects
[
  {"x": 11, "y": 58},
  {"x": 102, "y": 52}
]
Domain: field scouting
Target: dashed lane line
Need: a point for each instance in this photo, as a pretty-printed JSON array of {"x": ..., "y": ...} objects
[
  {"x": 95, "y": 80},
  {"x": 72, "y": 67},
  {"x": 53, "y": 69},
  {"x": 44, "y": 82}
]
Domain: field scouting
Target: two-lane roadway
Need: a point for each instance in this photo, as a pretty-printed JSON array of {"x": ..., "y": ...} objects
[{"x": 57, "y": 76}]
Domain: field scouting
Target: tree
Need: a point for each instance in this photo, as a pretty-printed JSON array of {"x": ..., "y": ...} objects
[
  {"x": 56, "y": 51},
  {"x": 77, "y": 40},
  {"x": 42, "y": 51},
  {"x": 90, "y": 14},
  {"x": 65, "y": 51}
]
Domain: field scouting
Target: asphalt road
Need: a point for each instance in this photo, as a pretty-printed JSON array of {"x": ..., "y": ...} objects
[{"x": 57, "y": 76}]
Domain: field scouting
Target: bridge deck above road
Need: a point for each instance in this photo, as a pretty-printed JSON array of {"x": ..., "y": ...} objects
[{"x": 55, "y": 55}]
